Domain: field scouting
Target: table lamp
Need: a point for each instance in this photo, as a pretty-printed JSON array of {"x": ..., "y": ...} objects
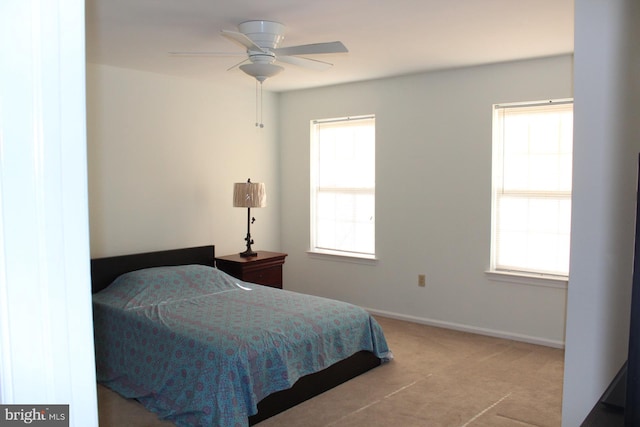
[{"x": 249, "y": 195}]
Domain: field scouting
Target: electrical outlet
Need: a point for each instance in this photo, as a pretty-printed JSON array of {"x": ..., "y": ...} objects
[{"x": 422, "y": 280}]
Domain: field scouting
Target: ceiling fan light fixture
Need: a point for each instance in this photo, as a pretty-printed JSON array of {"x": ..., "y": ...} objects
[{"x": 261, "y": 71}]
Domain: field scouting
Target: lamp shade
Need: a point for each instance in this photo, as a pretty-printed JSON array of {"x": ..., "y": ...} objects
[{"x": 249, "y": 195}]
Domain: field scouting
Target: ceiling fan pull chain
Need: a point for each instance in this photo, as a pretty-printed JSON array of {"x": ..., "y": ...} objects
[
  {"x": 257, "y": 104},
  {"x": 261, "y": 97}
]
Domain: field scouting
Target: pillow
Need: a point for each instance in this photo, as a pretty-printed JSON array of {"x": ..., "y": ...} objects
[{"x": 165, "y": 285}]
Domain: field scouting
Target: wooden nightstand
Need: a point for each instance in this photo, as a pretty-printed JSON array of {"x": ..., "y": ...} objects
[{"x": 263, "y": 269}]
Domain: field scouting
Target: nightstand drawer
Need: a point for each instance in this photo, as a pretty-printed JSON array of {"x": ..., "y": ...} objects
[
  {"x": 267, "y": 276},
  {"x": 264, "y": 269}
]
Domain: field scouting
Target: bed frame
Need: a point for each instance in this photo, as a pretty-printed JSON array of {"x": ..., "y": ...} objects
[{"x": 105, "y": 270}]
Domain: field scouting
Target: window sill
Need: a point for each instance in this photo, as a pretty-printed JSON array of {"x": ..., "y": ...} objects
[
  {"x": 337, "y": 256},
  {"x": 558, "y": 282}
]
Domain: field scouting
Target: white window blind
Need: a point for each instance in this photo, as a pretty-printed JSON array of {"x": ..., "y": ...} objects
[
  {"x": 532, "y": 168},
  {"x": 343, "y": 186}
]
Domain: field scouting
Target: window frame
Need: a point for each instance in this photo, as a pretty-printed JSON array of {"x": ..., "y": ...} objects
[
  {"x": 517, "y": 275},
  {"x": 314, "y": 248}
]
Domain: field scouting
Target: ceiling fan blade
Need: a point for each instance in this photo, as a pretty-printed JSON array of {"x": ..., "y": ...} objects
[
  {"x": 242, "y": 40},
  {"x": 313, "y": 64},
  {"x": 238, "y": 64},
  {"x": 312, "y": 49}
]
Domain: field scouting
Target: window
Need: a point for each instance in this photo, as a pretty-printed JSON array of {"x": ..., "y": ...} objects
[
  {"x": 531, "y": 206},
  {"x": 343, "y": 186}
]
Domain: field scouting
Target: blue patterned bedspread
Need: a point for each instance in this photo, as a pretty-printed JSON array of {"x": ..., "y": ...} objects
[{"x": 201, "y": 348}]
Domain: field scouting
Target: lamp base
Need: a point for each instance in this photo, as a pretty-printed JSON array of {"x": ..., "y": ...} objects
[{"x": 248, "y": 253}]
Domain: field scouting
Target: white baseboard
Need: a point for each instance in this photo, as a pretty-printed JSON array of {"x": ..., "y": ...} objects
[{"x": 472, "y": 329}]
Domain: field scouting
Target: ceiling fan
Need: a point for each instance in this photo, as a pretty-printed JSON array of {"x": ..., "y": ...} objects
[{"x": 261, "y": 39}]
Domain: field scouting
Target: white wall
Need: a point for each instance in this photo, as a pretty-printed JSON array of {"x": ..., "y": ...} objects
[
  {"x": 164, "y": 153},
  {"x": 433, "y": 177},
  {"x": 607, "y": 142}
]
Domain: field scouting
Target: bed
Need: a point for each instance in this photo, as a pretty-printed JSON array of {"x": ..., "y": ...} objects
[{"x": 199, "y": 347}]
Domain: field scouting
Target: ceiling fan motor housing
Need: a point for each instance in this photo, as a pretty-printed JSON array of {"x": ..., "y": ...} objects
[
  {"x": 262, "y": 57},
  {"x": 266, "y": 34}
]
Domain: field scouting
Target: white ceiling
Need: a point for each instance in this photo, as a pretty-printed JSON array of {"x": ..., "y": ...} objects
[{"x": 384, "y": 37}]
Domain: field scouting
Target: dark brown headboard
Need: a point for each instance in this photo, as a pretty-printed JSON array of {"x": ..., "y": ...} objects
[{"x": 106, "y": 270}]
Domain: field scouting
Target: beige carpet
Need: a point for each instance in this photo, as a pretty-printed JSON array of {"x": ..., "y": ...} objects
[{"x": 439, "y": 378}]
